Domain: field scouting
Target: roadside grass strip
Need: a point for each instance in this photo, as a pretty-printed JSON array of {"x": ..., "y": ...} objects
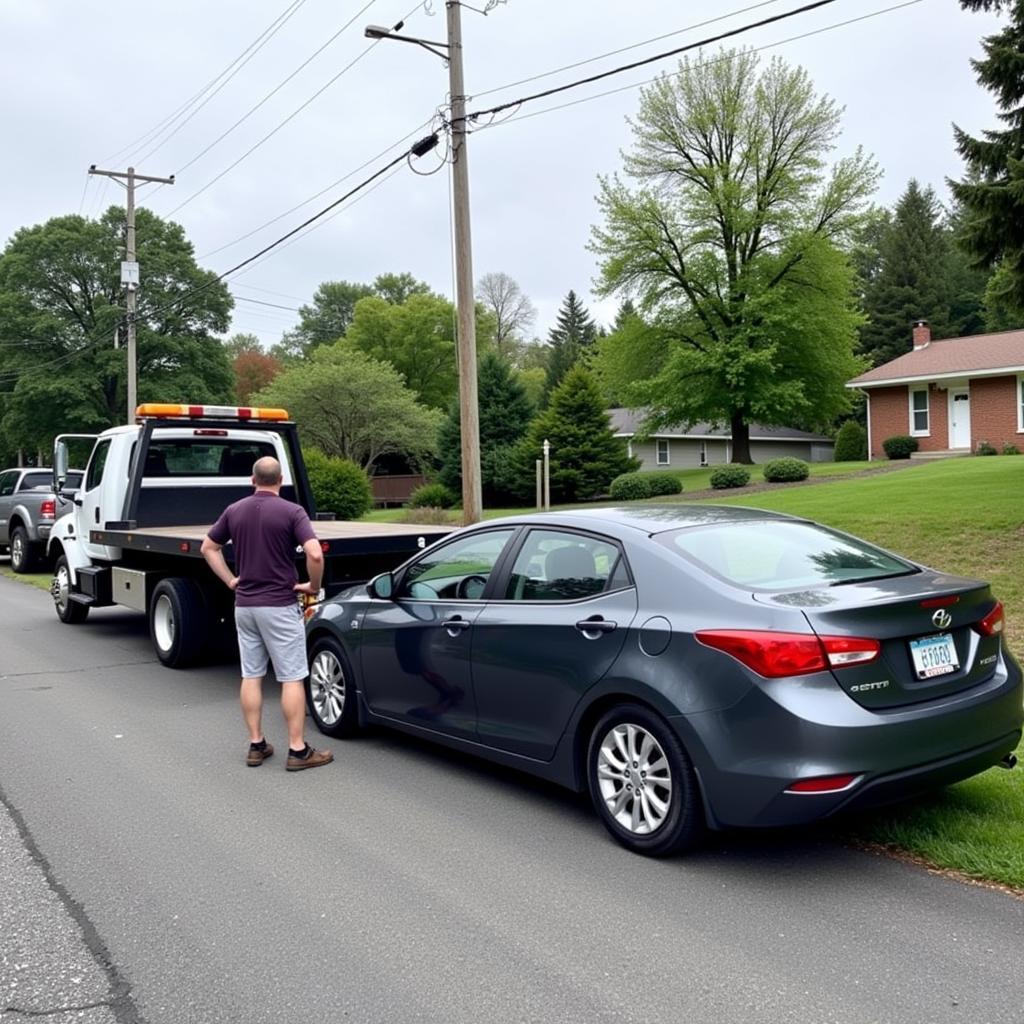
[{"x": 33, "y": 579}]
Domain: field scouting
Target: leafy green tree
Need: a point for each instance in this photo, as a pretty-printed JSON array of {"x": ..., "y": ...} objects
[
  {"x": 912, "y": 280},
  {"x": 573, "y": 335},
  {"x": 585, "y": 453},
  {"x": 242, "y": 342},
  {"x": 326, "y": 318},
  {"x": 992, "y": 192},
  {"x": 504, "y": 413},
  {"x": 62, "y": 325},
  {"x": 350, "y": 405},
  {"x": 731, "y": 243},
  {"x": 253, "y": 371},
  {"x": 396, "y": 288}
]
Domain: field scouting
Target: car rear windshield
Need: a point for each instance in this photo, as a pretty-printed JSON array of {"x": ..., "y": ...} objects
[
  {"x": 186, "y": 456},
  {"x": 37, "y": 481},
  {"x": 779, "y": 555}
]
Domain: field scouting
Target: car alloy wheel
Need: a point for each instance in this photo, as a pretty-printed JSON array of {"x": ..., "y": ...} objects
[
  {"x": 634, "y": 778},
  {"x": 327, "y": 687}
]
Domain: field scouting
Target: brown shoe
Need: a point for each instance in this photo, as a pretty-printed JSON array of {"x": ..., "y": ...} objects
[
  {"x": 311, "y": 759},
  {"x": 257, "y": 757}
]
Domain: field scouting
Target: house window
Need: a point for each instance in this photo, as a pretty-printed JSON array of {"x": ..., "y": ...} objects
[
  {"x": 663, "y": 456},
  {"x": 919, "y": 412},
  {"x": 703, "y": 453}
]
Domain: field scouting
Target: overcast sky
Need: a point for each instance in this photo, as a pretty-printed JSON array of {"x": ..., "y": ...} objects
[{"x": 81, "y": 81}]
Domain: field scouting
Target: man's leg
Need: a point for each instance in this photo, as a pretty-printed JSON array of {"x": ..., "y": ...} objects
[
  {"x": 252, "y": 706},
  {"x": 293, "y": 706},
  {"x": 253, "y": 655}
]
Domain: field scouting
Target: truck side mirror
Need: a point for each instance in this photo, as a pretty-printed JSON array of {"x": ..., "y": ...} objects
[
  {"x": 382, "y": 587},
  {"x": 60, "y": 465}
]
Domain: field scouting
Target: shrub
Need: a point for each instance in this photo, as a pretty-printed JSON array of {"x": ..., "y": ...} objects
[
  {"x": 785, "y": 470},
  {"x": 664, "y": 483},
  {"x": 1010, "y": 449},
  {"x": 984, "y": 448},
  {"x": 338, "y": 485},
  {"x": 630, "y": 487},
  {"x": 431, "y": 496},
  {"x": 733, "y": 475},
  {"x": 851, "y": 443},
  {"x": 899, "y": 446},
  {"x": 426, "y": 516}
]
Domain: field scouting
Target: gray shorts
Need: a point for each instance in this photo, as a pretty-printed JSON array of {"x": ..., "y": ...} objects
[{"x": 279, "y": 633}]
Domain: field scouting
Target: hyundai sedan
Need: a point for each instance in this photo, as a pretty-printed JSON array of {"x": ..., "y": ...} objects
[{"x": 690, "y": 667}]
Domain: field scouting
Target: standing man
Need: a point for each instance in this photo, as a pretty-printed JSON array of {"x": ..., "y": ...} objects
[{"x": 265, "y": 530}]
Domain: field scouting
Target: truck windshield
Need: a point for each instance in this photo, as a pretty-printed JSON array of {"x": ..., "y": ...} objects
[{"x": 188, "y": 456}]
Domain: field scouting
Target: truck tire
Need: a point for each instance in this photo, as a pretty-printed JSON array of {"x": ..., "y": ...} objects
[
  {"x": 23, "y": 552},
  {"x": 177, "y": 622},
  {"x": 68, "y": 611}
]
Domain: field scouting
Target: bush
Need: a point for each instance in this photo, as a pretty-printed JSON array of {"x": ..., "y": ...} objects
[
  {"x": 899, "y": 446},
  {"x": 984, "y": 448},
  {"x": 338, "y": 485},
  {"x": 664, "y": 483},
  {"x": 630, "y": 487},
  {"x": 1010, "y": 449},
  {"x": 733, "y": 475},
  {"x": 431, "y": 496},
  {"x": 851, "y": 443},
  {"x": 785, "y": 470}
]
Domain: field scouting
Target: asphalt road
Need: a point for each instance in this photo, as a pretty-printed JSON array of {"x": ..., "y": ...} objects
[{"x": 147, "y": 875}]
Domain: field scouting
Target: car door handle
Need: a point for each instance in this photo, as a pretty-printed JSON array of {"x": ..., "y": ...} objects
[
  {"x": 596, "y": 625},
  {"x": 456, "y": 624}
]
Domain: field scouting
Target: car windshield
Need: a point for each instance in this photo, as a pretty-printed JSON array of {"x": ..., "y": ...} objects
[{"x": 781, "y": 555}]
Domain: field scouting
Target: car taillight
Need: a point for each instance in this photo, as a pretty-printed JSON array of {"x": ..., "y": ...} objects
[
  {"x": 993, "y": 623},
  {"x": 48, "y": 508},
  {"x": 823, "y": 784},
  {"x": 775, "y": 655}
]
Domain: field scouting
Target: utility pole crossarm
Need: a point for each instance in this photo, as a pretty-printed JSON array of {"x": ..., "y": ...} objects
[{"x": 130, "y": 173}]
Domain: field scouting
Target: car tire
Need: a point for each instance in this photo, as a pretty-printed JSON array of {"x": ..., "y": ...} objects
[
  {"x": 23, "y": 551},
  {"x": 68, "y": 611},
  {"x": 177, "y": 622},
  {"x": 330, "y": 689},
  {"x": 667, "y": 817}
]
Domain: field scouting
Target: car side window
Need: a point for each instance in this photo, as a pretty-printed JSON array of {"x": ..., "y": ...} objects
[
  {"x": 99, "y": 459},
  {"x": 458, "y": 570},
  {"x": 557, "y": 566},
  {"x": 7, "y": 482}
]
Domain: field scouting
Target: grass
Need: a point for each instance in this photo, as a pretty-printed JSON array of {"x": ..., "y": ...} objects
[{"x": 33, "y": 579}]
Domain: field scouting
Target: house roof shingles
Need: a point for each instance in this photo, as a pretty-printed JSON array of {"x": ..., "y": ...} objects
[{"x": 980, "y": 354}]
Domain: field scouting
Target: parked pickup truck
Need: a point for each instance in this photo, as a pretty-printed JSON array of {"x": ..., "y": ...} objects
[
  {"x": 28, "y": 509},
  {"x": 150, "y": 493}
]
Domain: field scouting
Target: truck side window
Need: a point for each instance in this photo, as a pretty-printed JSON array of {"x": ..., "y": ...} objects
[
  {"x": 96, "y": 464},
  {"x": 7, "y": 482}
]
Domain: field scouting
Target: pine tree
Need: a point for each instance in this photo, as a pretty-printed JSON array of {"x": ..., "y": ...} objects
[
  {"x": 585, "y": 453},
  {"x": 505, "y": 412},
  {"x": 912, "y": 278},
  {"x": 992, "y": 193},
  {"x": 573, "y": 334}
]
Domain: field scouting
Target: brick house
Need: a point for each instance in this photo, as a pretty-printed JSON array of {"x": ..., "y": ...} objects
[{"x": 951, "y": 394}]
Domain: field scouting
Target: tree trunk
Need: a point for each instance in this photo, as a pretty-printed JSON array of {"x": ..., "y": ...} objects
[{"x": 741, "y": 439}]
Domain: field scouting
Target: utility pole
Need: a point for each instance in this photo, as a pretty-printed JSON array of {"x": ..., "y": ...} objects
[
  {"x": 469, "y": 414},
  {"x": 130, "y": 270}
]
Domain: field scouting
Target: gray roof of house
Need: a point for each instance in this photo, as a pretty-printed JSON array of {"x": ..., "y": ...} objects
[{"x": 625, "y": 423}]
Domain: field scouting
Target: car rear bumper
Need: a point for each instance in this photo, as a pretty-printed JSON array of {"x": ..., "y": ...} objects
[{"x": 785, "y": 730}]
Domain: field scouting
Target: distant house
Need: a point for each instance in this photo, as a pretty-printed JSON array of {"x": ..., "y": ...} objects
[
  {"x": 706, "y": 445},
  {"x": 951, "y": 394}
]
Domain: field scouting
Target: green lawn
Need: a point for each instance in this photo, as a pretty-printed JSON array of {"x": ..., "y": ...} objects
[{"x": 34, "y": 579}]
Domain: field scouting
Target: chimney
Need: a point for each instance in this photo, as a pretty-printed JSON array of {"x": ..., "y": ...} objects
[{"x": 922, "y": 334}]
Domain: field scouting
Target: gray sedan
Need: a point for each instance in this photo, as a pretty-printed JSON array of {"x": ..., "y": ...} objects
[{"x": 689, "y": 666}]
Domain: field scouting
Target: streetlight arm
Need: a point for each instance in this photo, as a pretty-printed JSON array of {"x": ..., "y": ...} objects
[{"x": 379, "y": 32}]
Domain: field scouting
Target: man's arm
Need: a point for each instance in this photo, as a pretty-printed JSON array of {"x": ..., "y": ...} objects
[
  {"x": 214, "y": 556},
  {"x": 314, "y": 568}
]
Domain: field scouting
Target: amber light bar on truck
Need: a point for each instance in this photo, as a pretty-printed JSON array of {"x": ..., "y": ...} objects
[{"x": 160, "y": 410}]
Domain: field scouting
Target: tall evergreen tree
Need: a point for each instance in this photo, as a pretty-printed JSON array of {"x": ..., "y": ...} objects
[
  {"x": 992, "y": 193},
  {"x": 585, "y": 453},
  {"x": 912, "y": 278},
  {"x": 573, "y": 334},
  {"x": 504, "y": 412}
]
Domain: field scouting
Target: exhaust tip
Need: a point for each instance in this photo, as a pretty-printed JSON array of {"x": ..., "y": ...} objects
[{"x": 1010, "y": 761}]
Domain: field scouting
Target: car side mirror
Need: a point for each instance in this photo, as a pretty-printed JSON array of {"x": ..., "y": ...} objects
[
  {"x": 60, "y": 465},
  {"x": 382, "y": 587}
]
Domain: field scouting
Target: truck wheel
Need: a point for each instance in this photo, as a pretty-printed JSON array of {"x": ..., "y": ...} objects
[
  {"x": 23, "y": 551},
  {"x": 68, "y": 611},
  {"x": 331, "y": 689},
  {"x": 177, "y": 622}
]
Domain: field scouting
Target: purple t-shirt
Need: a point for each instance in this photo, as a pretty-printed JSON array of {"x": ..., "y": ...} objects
[{"x": 265, "y": 529}]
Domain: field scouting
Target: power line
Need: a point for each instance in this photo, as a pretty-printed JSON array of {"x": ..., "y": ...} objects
[
  {"x": 147, "y": 137},
  {"x": 260, "y": 302},
  {"x": 252, "y": 149},
  {"x": 707, "y": 41},
  {"x": 269, "y": 291},
  {"x": 625, "y": 49},
  {"x": 516, "y": 117}
]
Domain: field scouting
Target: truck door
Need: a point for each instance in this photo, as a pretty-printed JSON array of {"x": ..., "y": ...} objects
[
  {"x": 8, "y": 481},
  {"x": 89, "y": 511}
]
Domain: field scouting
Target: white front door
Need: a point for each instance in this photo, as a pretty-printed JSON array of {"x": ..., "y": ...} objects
[{"x": 960, "y": 418}]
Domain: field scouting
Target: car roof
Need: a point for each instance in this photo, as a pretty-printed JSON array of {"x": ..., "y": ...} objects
[{"x": 648, "y": 519}]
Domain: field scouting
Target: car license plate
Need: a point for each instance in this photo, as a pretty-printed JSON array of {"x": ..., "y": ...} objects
[{"x": 934, "y": 656}]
